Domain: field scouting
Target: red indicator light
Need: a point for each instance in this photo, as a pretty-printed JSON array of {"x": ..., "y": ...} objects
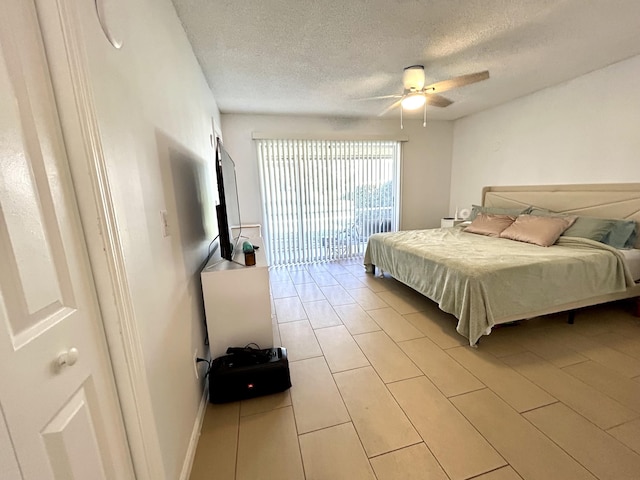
[{"x": 250, "y": 385}]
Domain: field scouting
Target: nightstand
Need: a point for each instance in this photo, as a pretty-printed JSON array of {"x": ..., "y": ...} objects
[{"x": 448, "y": 222}]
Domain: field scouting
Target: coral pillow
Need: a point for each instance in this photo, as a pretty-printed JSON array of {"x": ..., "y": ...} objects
[
  {"x": 543, "y": 231},
  {"x": 488, "y": 224}
]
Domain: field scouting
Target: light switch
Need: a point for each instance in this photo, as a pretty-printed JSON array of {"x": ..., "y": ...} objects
[{"x": 164, "y": 223}]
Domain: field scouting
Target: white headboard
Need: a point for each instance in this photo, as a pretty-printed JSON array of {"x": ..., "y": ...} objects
[{"x": 614, "y": 200}]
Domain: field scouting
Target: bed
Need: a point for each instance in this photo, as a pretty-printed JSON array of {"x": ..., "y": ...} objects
[{"x": 485, "y": 281}]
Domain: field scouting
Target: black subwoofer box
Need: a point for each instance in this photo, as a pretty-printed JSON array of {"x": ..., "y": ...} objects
[{"x": 248, "y": 373}]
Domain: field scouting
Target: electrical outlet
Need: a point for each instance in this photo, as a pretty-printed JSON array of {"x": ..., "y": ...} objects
[{"x": 196, "y": 366}]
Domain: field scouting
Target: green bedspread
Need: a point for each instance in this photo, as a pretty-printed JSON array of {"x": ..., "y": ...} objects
[{"x": 480, "y": 279}]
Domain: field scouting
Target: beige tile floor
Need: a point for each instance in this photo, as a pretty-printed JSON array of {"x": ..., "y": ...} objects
[{"x": 384, "y": 388}]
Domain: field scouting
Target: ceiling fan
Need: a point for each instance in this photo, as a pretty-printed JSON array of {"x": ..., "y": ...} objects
[{"x": 416, "y": 94}]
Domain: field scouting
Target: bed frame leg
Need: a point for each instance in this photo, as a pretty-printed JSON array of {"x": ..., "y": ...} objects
[
  {"x": 636, "y": 310},
  {"x": 572, "y": 317}
]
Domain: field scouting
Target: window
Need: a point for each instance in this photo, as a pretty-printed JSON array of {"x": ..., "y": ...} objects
[{"x": 323, "y": 199}]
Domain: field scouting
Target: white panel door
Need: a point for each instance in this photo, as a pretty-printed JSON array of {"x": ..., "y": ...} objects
[{"x": 57, "y": 393}]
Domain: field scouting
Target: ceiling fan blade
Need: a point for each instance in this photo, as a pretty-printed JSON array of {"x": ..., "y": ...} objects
[
  {"x": 380, "y": 97},
  {"x": 390, "y": 107},
  {"x": 437, "y": 100},
  {"x": 456, "y": 82}
]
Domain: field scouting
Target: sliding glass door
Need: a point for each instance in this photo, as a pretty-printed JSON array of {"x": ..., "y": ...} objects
[{"x": 323, "y": 199}]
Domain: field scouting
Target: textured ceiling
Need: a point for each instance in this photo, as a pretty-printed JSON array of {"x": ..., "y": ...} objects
[{"x": 319, "y": 57}]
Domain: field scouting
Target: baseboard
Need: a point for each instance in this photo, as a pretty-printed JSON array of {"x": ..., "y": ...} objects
[{"x": 195, "y": 434}]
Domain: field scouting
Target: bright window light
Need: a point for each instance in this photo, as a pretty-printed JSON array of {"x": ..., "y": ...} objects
[{"x": 323, "y": 199}]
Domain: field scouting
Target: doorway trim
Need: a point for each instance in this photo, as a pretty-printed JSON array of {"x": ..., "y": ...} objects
[{"x": 68, "y": 66}]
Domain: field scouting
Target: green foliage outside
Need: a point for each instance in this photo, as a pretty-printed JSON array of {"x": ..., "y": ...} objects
[{"x": 369, "y": 196}]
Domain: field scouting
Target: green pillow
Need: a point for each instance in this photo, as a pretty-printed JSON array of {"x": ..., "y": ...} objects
[
  {"x": 476, "y": 209},
  {"x": 613, "y": 232},
  {"x": 622, "y": 234},
  {"x": 543, "y": 212},
  {"x": 590, "y": 227}
]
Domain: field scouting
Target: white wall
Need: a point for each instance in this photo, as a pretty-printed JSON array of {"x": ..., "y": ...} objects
[
  {"x": 582, "y": 131},
  {"x": 426, "y": 159},
  {"x": 155, "y": 112}
]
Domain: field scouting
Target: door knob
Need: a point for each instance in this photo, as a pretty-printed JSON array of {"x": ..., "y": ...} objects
[{"x": 68, "y": 358}]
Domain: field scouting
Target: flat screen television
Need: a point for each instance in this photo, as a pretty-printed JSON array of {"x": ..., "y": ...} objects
[{"x": 228, "y": 209}]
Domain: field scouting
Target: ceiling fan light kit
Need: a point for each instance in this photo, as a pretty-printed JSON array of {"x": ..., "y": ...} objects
[
  {"x": 416, "y": 94},
  {"x": 413, "y": 101}
]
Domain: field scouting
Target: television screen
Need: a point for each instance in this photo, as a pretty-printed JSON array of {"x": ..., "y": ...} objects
[{"x": 228, "y": 211}]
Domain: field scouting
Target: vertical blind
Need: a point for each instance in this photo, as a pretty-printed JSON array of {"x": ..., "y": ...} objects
[{"x": 323, "y": 198}]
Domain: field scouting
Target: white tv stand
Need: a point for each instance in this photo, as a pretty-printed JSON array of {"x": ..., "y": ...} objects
[{"x": 237, "y": 302}]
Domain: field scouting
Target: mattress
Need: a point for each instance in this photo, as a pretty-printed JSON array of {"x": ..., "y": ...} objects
[
  {"x": 632, "y": 260},
  {"x": 481, "y": 280}
]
